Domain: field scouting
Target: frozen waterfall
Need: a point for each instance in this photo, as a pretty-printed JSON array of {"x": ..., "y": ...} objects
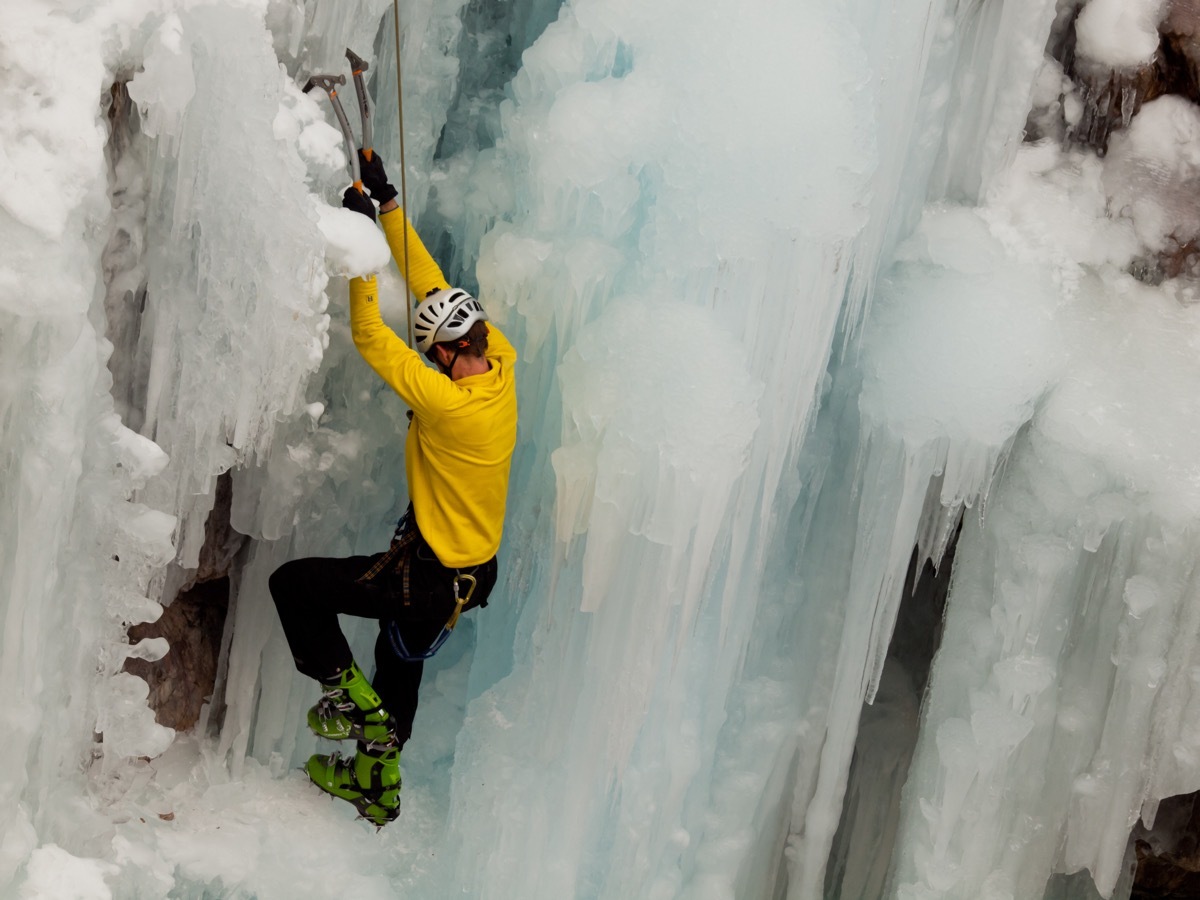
[{"x": 853, "y": 532}]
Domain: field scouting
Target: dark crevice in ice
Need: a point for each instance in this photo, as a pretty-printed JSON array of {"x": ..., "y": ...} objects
[
  {"x": 494, "y": 37},
  {"x": 123, "y": 258},
  {"x": 487, "y": 64},
  {"x": 887, "y": 734}
]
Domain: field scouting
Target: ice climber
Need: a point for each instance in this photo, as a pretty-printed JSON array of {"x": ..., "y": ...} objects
[{"x": 443, "y": 558}]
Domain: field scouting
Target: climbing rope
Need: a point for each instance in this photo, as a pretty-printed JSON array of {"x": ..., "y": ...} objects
[{"x": 403, "y": 166}]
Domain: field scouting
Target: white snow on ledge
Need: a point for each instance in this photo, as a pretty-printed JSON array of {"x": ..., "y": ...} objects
[
  {"x": 354, "y": 245},
  {"x": 1119, "y": 33}
]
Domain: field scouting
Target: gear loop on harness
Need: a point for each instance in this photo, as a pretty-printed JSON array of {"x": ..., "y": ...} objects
[
  {"x": 397, "y": 639},
  {"x": 398, "y": 559}
]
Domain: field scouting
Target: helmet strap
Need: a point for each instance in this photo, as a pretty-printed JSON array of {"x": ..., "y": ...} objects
[
  {"x": 459, "y": 346},
  {"x": 433, "y": 357}
]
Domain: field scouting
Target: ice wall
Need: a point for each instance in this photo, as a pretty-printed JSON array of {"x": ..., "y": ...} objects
[
  {"x": 76, "y": 554},
  {"x": 1055, "y": 714},
  {"x": 154, "y": 191},
  {"x": 790, "y": 303},
  {"x": 633, "y": 262}
]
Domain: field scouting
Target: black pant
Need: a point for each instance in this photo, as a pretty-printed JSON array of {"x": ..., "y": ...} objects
[{"x": 309, "y": 593}]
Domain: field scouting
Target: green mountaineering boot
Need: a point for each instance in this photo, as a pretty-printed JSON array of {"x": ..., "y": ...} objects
[
  {"x": 370, "y": 781},
  {"x": 350, "y": 708}
]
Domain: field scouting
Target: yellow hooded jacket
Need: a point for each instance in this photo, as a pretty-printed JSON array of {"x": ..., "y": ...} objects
[{"x": 461, "y": 440}]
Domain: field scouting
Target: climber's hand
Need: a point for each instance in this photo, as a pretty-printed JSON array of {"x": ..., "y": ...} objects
[
  {"x": 356, "y": 200},
  {"x": 375, "y": 179}
]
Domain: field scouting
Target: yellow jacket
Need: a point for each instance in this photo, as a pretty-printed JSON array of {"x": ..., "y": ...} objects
[{"x": 461, "y": 440}]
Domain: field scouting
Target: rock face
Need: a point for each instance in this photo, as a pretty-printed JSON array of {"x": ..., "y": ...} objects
[
  {"x": 193, "y": 622},
  {"x": 1110, "y": 99},
  {"x": 183, "y": 680},
  {"x": 1168, "y": 856},
  {"x": 887, "y": 734},
  {"x": 1181, "y": 47},
  {"x": 1090, "y": 95}
]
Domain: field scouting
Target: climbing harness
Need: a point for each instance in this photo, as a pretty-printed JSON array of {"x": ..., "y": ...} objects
[
  {"x": 404, "y": 545},
  {"x": 397, "y": 639}
]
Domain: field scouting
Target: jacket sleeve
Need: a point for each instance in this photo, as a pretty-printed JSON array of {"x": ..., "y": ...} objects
[
  {"x": 499, "y": 346},
  {"x": 424, "y": 276},
  {"x": 429, "y": 393}
]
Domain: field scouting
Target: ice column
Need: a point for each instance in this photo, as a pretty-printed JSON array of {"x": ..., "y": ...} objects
[
  {"x": 1057, "y": 711},
  {"x": 674, "y": 283},
  {"x": 234, "y": 318},
  {"x": 75, "y": 553},
  {"x": 910, "y": 479}
]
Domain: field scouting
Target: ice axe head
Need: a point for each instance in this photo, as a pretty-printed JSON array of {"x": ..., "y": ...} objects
[
  {"x": 357, "y": 63},
  {"x": 325, "y": 83}
]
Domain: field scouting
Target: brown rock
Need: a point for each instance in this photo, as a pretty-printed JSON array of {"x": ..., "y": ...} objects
[
  {"x": 183, "y": 680},
  {"x": 1111, "y": 98},
  {"x": 1168, "y": 856},
  {"x": 1181, "y": 47},
  {"x": 192, "y": 623}
]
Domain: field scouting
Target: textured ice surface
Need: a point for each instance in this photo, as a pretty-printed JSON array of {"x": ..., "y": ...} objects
[
  {"x": 1152, "y": 172},
  {"x": 1053, "y": 717},
  {"x": 789, "y": 300},
  {"x": 630, "y": 251}
]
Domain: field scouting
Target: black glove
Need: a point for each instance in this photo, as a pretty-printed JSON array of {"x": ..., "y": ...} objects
[
  {"x": 359, "y": 202},
  {"x": 374, "y": 179}
]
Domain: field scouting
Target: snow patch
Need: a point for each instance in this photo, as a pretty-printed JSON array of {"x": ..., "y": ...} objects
[
  {"x": 53, "y": 872},
  {"x": 1119, "y": 33},
  {"x": 354, "y": 245}
]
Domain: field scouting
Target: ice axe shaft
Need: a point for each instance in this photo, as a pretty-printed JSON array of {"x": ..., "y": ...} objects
[
  {"x": 358, "y": 65},
  {"x": 328, "y": 83}
]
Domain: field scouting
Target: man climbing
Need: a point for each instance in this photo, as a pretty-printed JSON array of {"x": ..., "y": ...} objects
[{"x": 443, "y": 558}]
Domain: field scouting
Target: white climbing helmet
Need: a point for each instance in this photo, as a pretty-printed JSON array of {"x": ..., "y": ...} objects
[{"x": 445, "y": 316}]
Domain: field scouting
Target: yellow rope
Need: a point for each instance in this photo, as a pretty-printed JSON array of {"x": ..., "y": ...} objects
[{"x": 403, "y": 167}]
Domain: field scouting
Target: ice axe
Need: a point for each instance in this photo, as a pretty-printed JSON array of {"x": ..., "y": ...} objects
[
  {"x": 358, "y": 65},
  {"x": 328, "y": 84}
]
